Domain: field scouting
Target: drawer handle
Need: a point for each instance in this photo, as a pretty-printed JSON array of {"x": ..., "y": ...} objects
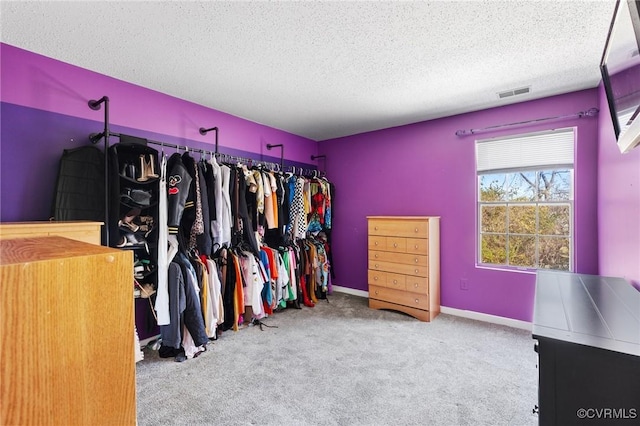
[
  {"x": 416, "y": 260},
  {"x": 417, "y": 301},
  {"x": 375, "y": 255},
  {"x": 416, "y": 270},
  {"x": 375, "y": 227},
  {"x": 416, "y": 230},
  {"x": 376, "y": 243},
  {"x": 395, "y": 244},
  {"x": 416, "y": 246},
  {"x": 375, "y": 278},
  {"x": 395, "y": 281},
  {"x": 376, "y": 291},
  {"x": 376, "y": 265},
  {"x": 414, "y": 284}
]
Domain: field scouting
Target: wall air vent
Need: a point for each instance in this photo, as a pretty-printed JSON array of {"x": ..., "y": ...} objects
[{"x": 514, "y": 92}]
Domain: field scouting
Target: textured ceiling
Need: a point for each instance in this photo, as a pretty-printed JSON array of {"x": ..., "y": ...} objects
[{"x": 326, "y": 69}]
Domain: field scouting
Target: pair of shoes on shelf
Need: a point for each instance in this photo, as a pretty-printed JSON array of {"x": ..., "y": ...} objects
[
  {"x": 128, "y": 226},
  {"x": 127, "y": 223},
  {"x": 147, "y": 168},
  {"x": 131, "y": 240},
  {"x": 146, "y": 290},
  {"x": 146, "y": 224},
  {"x": 128, "y": 170},
  {"x": 135, "y": 198},
  {"x": 142, "y": 268}
]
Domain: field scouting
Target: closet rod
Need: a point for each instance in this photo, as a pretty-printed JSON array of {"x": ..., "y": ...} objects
[
  {"x": 204, "y": 131},
  {"x": 313, "y": 157},
  {"x": 95, "y": 105},
  {"x": 592, "y": 112},
  {"x": 95, "y": 137},
  {"x": 281, "y": 146}
]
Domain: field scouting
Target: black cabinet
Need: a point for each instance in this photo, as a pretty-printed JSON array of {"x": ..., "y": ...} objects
[{"x": 588, "y": 333}]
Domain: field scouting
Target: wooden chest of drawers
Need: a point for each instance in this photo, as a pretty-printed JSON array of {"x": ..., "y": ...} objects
[
  {"x": 66, "y": 318},
  {"x": 86, "y": 231},
  {"x": 404, "y": 264}
]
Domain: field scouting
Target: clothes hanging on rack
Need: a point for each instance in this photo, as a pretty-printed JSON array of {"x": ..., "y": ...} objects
[
  {"x": 221, "y": 247},
  {"x": 162, "y": 297},
  {"x": 250, "y": 242}
]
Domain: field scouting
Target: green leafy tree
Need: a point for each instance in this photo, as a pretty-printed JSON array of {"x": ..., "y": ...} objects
[{"x": 530, "y": 208}]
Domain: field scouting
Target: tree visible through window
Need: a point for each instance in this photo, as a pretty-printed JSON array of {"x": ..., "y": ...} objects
[{"x": 525, "y": 217}]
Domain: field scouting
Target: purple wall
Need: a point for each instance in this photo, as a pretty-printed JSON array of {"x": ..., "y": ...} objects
[
  {"x": 618, "y": 203},
  {"x": 44, "y": 110},
  {"x": 419, "y": 169},
  {"x": 425, "y": 169}
]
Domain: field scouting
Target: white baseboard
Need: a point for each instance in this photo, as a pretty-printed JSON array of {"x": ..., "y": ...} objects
[
  {"x": 478, "y": 316},
  {"x": 352, "y": 291},
  {"x": 494, "y": 319}
]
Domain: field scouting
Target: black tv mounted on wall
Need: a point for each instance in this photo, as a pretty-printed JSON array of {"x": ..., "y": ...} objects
[{"x": 620, "y": 67}]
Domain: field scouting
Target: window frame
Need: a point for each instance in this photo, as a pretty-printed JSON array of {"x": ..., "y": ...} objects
[{"x": 537, "y": 203}]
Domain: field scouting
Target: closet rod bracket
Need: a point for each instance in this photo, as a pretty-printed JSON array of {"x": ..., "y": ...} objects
[
  {"x": 204, "y": 131},
  {"x": 281, "y": 146},
  {"x": 95, "y": 105},
  {"x": 94, "y": 138},
  {"x": 314, "y": 157}
]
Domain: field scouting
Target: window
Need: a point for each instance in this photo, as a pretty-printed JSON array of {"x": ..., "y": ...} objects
[{"x": 525, "y": 200}]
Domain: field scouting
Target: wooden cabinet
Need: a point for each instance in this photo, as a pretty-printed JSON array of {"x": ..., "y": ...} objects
[
  {"x": 66, "y": 321},
  {"x": 404, "y": 264},
  {"x": 86, "y": 231}
]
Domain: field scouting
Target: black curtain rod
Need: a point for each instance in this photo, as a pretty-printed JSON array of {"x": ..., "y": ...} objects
[{"x": 592, "y": 112}]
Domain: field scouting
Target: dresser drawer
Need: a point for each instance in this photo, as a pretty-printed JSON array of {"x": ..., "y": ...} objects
[
  {"x": 397, "y": 228},
  {"x": 416, "y": 284},
  {"x": 377, "y": 242},
  {"x": 413, "y": 300},
  {"x": 407, "y": 259},
  {"x": 399, "y": 268},
  {"x": 417, "y": 245},
  {"x": 377, "y": 278},
  {"x": 396, "y": 244},
  {"x": 397, "y": 281}
]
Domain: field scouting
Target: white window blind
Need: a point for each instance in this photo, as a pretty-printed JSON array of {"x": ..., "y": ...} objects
[{"x": 534, "y": 150}]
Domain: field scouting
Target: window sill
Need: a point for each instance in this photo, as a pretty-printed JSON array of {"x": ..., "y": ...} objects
[{"x": 507, "y": 269}]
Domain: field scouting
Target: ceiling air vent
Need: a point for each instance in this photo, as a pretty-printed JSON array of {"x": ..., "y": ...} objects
[{"x": 514, "y": 92}]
